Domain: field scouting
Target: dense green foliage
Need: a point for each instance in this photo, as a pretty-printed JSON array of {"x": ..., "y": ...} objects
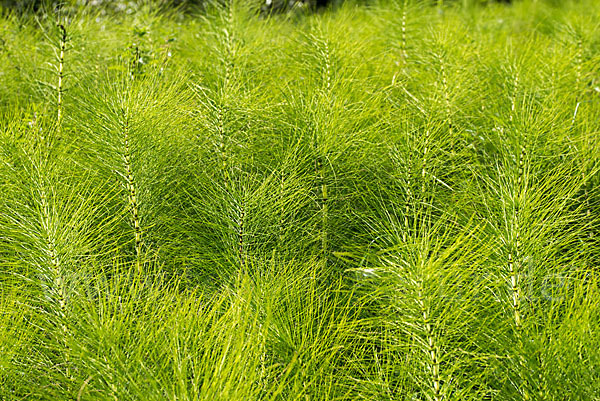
[{"x": 394, "y": 201}]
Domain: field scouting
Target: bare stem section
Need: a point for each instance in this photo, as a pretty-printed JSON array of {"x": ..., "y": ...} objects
[
  {"x": 403, "y": 51},
  {"x": 59, "y": 86}
]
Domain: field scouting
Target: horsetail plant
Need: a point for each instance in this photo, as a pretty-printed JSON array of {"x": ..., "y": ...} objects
[
  {"x": 321, "y": 155},
  {"x": 266, "y": 217},
  {"x": 49, "y": 226}
]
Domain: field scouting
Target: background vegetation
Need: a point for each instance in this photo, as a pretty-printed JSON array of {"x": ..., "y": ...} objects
[{"x": 392, "y": 201}]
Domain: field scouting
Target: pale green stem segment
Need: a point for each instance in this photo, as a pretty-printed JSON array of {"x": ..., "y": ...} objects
[
  {"x": 431, "y": 350},
  {"x": 59, "y": 289},
  {"x": 59, "y": 87}
]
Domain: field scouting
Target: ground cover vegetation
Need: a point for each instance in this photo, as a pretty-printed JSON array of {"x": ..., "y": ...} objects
[{"x": 393, "y": 200}]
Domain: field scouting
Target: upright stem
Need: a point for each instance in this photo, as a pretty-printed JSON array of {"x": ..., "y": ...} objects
[
  {"x": 327, "y": 71},
  {"x": 424, "y": 164},
  {"x": 578, "y": 65},
  {"x": 320, "y": 166},
  {"x": 58, "y": 287},
  {"x": 241, "y": 248},
  {"x": 407, "y": 211},
  {"x": 446, "y": 90},
  {"x": 515, "y": 258},
  {"x": 324, "y": 208},
  {"x": 229, "y": 44},
  {"x": 281, "y": 211},
  {"x": 513, "y": 99},
  {"x": 404, "y": 52},
  {"x": 135, "y": 63},
  {"x": 431, "y": 349},
  {"x": 578, "y": 77},
  {"x": 514, "y": 282},
  {"x": 132, "y": 198},
  {"x": 515, "y": 266},
  {"x": 221, "y": 145},
  {"x": 227, "y": 78},
  {"x": 578, "y": 90},
  {"x": 61, "y": 59}
]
